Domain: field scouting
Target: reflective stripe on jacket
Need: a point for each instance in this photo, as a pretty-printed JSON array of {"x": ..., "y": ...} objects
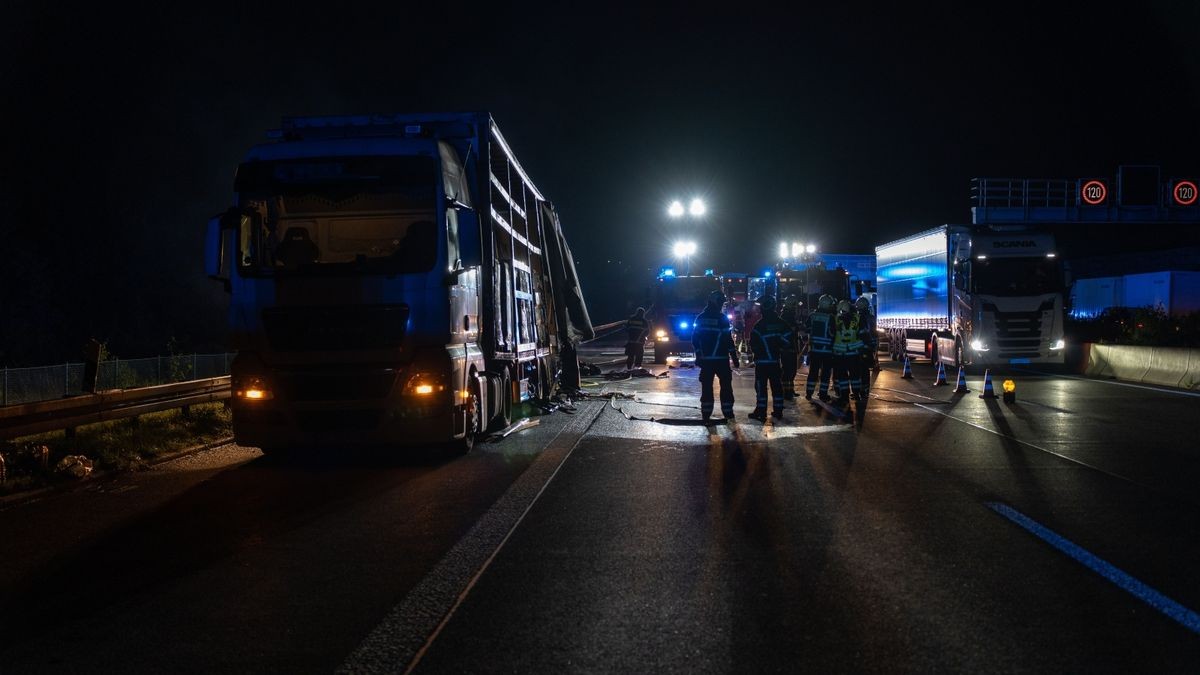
[
  {"x": 769, "y": 337},
  {"x": 820, "y": 332},
  {"x": 710, "y": 337}
]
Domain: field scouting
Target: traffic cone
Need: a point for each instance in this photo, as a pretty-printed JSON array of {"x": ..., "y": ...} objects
[
  {"x": 907, "y": 375},
  {"x": 961, "y": 388},
  {"x": 941, "y": 375},
  {"x": 988, "y": 392}
]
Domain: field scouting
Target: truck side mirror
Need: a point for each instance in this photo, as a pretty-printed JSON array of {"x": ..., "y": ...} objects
[{"x": 220, "y": 246}]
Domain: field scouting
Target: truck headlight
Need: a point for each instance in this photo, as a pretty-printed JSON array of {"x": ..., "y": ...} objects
[
  {"x": 979, "y": 345},
  {"x": 254, "y": 389},
  {"x": 660, "y": 333},
  {"x": 1059, "y": 344},
  {"x": 424, "y": 384}
]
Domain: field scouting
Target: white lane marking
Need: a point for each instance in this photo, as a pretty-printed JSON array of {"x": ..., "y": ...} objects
[
  {"x": 1037, "y": 447},
  {"x": 1122, "y": 579},
  {"x": 420, "y": 617}
]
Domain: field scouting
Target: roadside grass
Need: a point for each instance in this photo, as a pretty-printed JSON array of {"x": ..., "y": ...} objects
[{"x": 118, "y": 445}]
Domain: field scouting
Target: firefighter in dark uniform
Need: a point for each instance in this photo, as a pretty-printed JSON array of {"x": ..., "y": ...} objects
[
  {"x": 790, "y": 354},
  {"x": 847, "y": 353},
  {"x": 714, "y": 348},
  {"x": 636, "y": 329},
  {"x": 820, "y": 349},
  {"x": 768, "y": 340},
  {"x": 870, "y": 341}
]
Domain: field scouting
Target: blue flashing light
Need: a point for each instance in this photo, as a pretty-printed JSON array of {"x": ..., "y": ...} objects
[
  {"x": 708, "y": 272},
  {"x": 683, "y": 325},
  {"x": 767, "y": 273},
  {"x": 667, "y": 272}
]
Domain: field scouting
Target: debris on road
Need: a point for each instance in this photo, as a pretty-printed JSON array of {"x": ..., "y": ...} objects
[
  {"x": 513, "y": 428},
  {"x": 73, "y": 466}
]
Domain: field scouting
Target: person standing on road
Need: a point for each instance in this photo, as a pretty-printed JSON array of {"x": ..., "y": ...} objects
[
  {"x": 790, "y": 354},
  {"x": 714, "y": 348},
  {"x": 768, "y": 340},
  {"x": 847, "y": 353},
  {"x": 820, "y": 349},
  {"x": 870, "y": 341},
  {"x": 636, "y": 329}
]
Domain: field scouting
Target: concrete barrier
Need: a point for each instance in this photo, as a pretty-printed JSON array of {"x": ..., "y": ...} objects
[{"x": 1168, "y": 366}]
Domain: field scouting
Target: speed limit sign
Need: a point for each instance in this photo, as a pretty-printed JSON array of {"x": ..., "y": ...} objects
[
  {"x": 1093, "y": 192},
  {"x": 1184, "y": 193}
]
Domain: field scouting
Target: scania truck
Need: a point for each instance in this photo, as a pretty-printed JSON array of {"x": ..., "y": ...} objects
[
  {"x": 394, "y": 280},
  {"x": 972, "y": 295}
]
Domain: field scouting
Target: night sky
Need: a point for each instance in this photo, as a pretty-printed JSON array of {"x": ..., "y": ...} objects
[{"x": 847, "y": 127}]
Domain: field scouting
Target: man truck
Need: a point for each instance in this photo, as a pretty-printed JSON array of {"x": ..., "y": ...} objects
[
  {"x": 972, "y": 295},
  {"x": 393, "y": 280}
]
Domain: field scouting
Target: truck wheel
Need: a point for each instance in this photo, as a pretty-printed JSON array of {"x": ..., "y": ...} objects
[
  {"x": 503, "y": 416},
  {"x": 472, "y": 413}
]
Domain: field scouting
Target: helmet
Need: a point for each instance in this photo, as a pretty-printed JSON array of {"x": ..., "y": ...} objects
[
  {"x": 825, "y": 302},
  {"x": 791, "y": 300},
  {"x": 862, "y": 304},
  {"x": 843, "y": 307},
  {"x": 716, "y": 298}
]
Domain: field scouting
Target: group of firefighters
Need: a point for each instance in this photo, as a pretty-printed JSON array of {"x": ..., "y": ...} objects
[{"x": 837, "y": 339}]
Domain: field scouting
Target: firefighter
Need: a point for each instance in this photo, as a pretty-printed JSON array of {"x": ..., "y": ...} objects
[
  {"x": 714, "y": 348},
  {"x": 847, "y": 352},
  {"x": 768, "y": 340},
  {"x": 820, "y": 348},
  {"x": 789, "y": 356},
  {"x": 870, "y": 340},
  {"x": 636, "y": 329}
]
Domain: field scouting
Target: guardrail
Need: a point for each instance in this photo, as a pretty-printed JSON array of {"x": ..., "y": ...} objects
[{"x": 67, "y": 413}]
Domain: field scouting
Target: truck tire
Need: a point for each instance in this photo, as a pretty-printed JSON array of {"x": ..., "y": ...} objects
[
  {"x": 503, "y": 416},
  {"x": 464, "y": 445}
]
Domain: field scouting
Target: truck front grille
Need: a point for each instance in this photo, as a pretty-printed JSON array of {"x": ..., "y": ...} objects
[
  {"x": 335, "y": 328},
  {"x": 1019, "y": 334},
  {"x": 316, "y": 385}
]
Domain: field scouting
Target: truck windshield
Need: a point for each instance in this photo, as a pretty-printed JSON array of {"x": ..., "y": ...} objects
[
  {"x": 368, "y": 214},
  {"x": 1017, "y": 276},
  {"x": 685, "y": 293}
]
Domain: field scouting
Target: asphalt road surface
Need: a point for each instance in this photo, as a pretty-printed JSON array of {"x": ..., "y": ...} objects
[{"x": 945, "y": 532}]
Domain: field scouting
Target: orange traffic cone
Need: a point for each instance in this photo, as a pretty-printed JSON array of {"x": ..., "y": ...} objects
[
  {"x": 988, "y": 392},
  {"x": 961, "y": 387},
  {"x": 941, "y": 375},
  {"x": 907, "y": 370}
]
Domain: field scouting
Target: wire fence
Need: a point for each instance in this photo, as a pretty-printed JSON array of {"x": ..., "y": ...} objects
[{"x": 43, "y": 383}]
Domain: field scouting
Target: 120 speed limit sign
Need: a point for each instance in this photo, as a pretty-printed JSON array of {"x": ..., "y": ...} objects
[
  {"x": 1093, "y": 192},
  {"x": 1185, "y": 193}
]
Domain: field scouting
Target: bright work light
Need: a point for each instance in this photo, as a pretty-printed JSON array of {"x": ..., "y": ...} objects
[
  {"x": 697, "y": 207},
  {"x": 675, "y": 210}
]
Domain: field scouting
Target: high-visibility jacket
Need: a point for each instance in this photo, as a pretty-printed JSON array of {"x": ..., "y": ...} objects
[
  {"x": 769, "y": 337},
  {"x": 820, "y": 332},
  {"x": 710, "y": 336},
  {"x": 846, "y": 336}
]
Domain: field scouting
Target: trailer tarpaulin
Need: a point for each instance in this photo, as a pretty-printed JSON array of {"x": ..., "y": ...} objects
[{"x": 574, "y": 324}]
